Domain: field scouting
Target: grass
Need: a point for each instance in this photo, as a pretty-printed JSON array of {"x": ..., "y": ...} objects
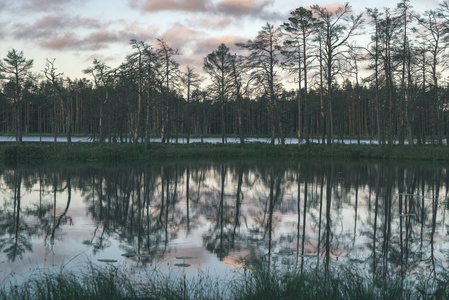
[
  {"x": 260, "y": 283},
  {"x": 107, "y": 152}
]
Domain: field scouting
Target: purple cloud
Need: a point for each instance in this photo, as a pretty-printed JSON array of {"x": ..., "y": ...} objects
[
  {"x": 207, "y": 22},
  {"x": 227, "y": 7},
  {"x": 242, "y": 7},
  {"x": 68, "y": 40},
  {"x": 170, "y": 5},
  {"x": 58, "y": 32},
  {"x": 206, "y": 46},
  {"x": 45, "y": 5}
]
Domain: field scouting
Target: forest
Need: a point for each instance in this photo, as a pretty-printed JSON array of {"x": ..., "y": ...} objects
[{"x": 324, "y": 74}]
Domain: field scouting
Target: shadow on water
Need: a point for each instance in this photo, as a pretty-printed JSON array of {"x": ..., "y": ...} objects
[{"x": 383, "y": 218}]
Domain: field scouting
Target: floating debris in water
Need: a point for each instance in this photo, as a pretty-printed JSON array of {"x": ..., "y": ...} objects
[
  {"x": 406, "y": 215},
  {"x": 186, "y": 257},
  {"x": 286, "y": 252},
  {"x": 308, "y": 255},
  {"x": 107, "y": 260},
  {"x": 182, "y": 265},
  {"x": 131, "y": 254}
]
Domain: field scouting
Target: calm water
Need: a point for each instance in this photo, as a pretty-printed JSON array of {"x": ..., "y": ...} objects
[
  {"x": 385, "y": 218},
  {"x": 231, "y": 140}
]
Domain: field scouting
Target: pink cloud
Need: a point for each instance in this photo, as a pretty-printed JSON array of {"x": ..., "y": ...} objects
[
  {"x": 45, "y": 5},
  {"x": 68, "y": 40},
  {"x": 64, "y": 21},
  {"x": 333, "y": 7},
  {"x": 57, "y": 32},
  {"x": 192, "y": 60},
  {"x": 211, "y": 44},
  {"x": 242, "y": 7},
  {"x": 230, "y": 7},
  {"x": 207, "y": 22},
  {"x": 170, "y": 5},
  {"x": 180, "y": 36},
  {"x": 50, "y": 22},
  {"x": 100, "y": 37},
  {"x": 50, "y": 25},
  {"x": 138, "y": 31}
]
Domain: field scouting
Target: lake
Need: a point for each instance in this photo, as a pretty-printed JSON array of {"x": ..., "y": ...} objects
[
  {"x": 219, "y": 216},
  {"x": 183, "y": 140}
]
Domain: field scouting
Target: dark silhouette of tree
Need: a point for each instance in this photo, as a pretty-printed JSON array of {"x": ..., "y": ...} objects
[
  {"x": 56, "y": 81},
  {"x": 374, "y": 52},
  {"x": 16, "y": 68},
  {"x": 335, "y": 29},
  {"x": 435, "y": 45},
  {"x": 101, "y": 75},
  {"x": 219, "y": 65},
  {"x": 191, "y": 80},
  {"x": 300, "y": 27},
  {"x": 136, "y": 59},
  {"x": 262, "y": 62},
  {"x": 17, "y": 232},
  {"x": 170, "y": 75}
]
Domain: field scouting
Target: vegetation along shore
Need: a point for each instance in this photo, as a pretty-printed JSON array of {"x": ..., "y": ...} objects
[
  {"x": 85, "y": 152},
  {"x": 261, "y": 283}
]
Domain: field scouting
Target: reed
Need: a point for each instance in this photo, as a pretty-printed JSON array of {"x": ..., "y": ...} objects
[{"x": 260, "y": 282}]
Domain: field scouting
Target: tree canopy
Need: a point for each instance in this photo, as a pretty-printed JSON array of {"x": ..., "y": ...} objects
[{"x": 315, "y": 76}]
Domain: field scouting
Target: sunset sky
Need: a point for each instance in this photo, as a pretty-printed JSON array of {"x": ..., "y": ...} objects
[{"x": 74, "y": 32}]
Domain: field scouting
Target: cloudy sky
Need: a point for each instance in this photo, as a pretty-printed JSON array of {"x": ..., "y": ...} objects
[{"x": 74, "y": 32}]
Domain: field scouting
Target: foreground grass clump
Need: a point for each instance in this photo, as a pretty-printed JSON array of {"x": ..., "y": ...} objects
[
  {"x": 260, "y": 283},
  {"x": 116, "y": 152}
]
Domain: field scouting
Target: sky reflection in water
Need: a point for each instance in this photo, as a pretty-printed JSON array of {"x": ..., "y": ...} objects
[{"x": 215, "y": 216}]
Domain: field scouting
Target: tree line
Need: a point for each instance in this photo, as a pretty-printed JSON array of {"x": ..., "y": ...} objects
[{"x": 390, "y": 88}]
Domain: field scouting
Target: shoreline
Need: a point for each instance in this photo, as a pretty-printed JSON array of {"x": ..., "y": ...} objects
[{"x": 116, "y": 152}]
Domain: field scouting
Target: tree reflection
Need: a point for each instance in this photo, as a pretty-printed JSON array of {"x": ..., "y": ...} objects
[
  {"x": 386, "y": 216},
  {"x": 52, "y": 230},
  {"x": 15, "y": 240},
  {"x": 218, "y": 239}
]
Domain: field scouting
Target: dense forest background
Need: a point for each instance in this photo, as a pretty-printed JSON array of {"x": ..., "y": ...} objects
[{"x": 322, "y": 73}]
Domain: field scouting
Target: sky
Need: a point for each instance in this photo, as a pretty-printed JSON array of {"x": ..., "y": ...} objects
[{"x": 75, "y": 32}]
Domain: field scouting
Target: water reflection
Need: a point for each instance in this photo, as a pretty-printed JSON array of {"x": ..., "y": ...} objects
[{"x": 387, "y": 218}]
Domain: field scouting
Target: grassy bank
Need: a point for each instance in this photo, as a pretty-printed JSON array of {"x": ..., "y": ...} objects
[
  {"x": 113, "y": 283},
  {"x": 12, "y": 153}
]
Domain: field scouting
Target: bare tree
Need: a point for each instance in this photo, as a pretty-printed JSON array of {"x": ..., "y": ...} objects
[
  {"x": 335, "y": 29},
  {"x": 170, "y": 75},
  {"x": 434, "y": 37},
  {"x": 405, "y": 15},
  {"x": 101, "y": 75},
  {"x": 238, "y": 70},
  {"x": 137, "y": 58},
  {"x": 262, "y": 62},
  {"x": 374, "y": 53},
  {"x": 300, "y": 27},
  {"x": 190, "y": 79},
  {"x": 56, "y": 81},
  {"x": 219, "y": 65},
  {"x": 152, "y": 66},
  {"x": 16, "y": 69}
]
